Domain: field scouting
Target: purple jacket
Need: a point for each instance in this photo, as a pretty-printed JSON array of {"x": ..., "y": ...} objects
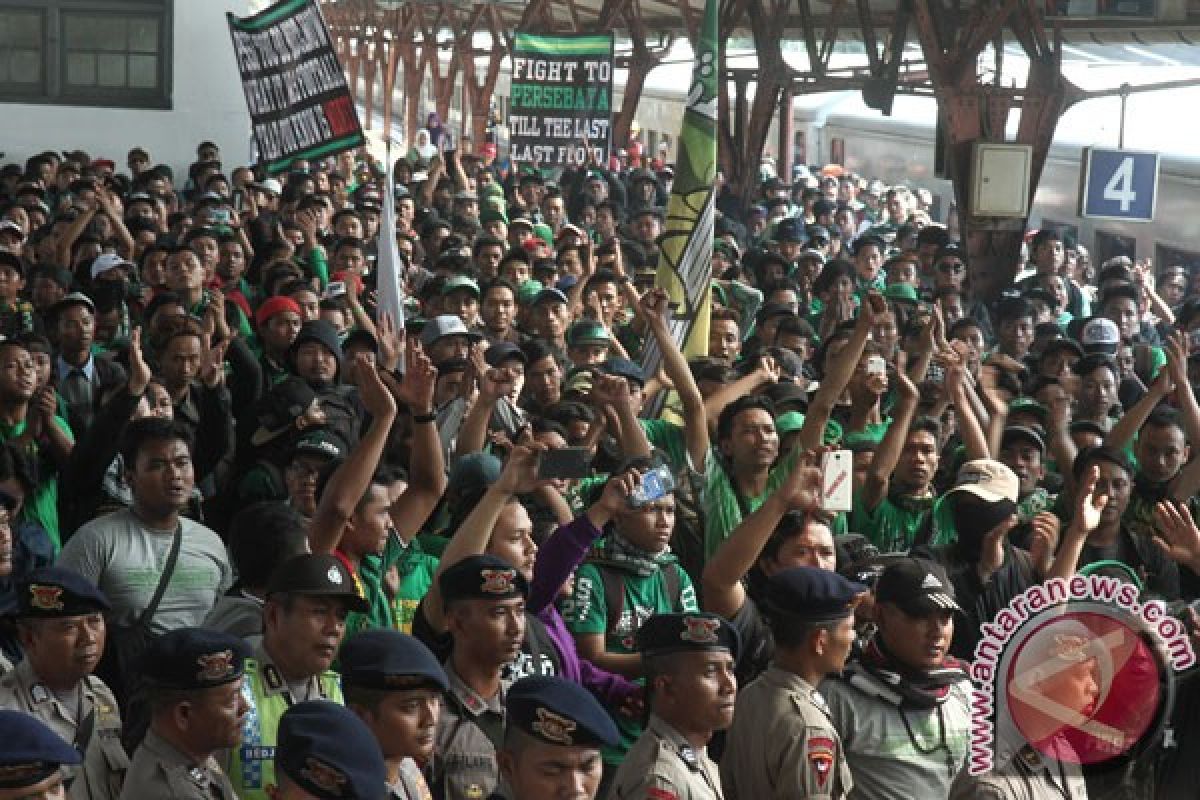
[{"x": 561, "y": 554}]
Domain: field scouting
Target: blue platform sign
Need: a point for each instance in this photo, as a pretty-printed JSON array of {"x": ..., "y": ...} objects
[{"x": 1119, "y": 184}]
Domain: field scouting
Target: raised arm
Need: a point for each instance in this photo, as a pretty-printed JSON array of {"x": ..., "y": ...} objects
[
  {"x": 1123, "y": 431},
  {"x": 612, "y": 392},
  {"x": 765, "y": 373},
  {"x": 1088, "y": 506},
  {"x": 837, "y": 377},
  {"x": 879, "y": 474},
  {"x": 426, "y": 468},
  {"x": 968, "y": 424},
  {"x": 722, "y": 579},
  {"x": 351, "y": 480},
  {"x": 471, "y": 538},
  {"x": 654, "y": 306}
]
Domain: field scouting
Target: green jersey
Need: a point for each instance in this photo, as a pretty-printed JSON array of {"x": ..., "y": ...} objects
[{"x": 587, "y": 612}]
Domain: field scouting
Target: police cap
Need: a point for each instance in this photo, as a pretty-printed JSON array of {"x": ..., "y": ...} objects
[
  {"x": 327, "y": 751},
  {"x": 482, "y": 577},
  {"x": 32, "y": 752},
  {"x": 317, "y": 574},
  {"x": 687, "y": 632},
  {"x": 812, "y": 595},
  {"x": 388, "y": 659},
  {"x": 559, "y": 712},
  {"x": 194, "y": 658},
  {"x": 58, "y": 592}
]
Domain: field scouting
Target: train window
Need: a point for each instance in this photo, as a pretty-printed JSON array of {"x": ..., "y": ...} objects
[
  {"x": 837, "y": 150},
  {"x": 1111, "y": 245},
  {"x": 799, "y": 148},
  {"x": 1062, "y": 228},
  {"x": 1166, "y": 256}
]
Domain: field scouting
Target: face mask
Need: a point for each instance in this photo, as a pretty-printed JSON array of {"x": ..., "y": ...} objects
[{"x": 975, "y": 517}]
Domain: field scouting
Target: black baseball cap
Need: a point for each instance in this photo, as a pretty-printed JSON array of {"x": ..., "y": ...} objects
[
  {"x": 917, "y": 586},
  {"x": 317, "y": 574}
]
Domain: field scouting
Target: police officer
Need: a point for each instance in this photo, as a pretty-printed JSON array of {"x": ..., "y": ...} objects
[
  {"x": 308, "y": 598},
  {"x": 395, "y": 685},
  {"x": 194, "y": 689},
  {"x": 689, "y": 664},
  {"x": 60, "y": 619},
  {"x": 484, "y": 600},
  {"x": 782, "y": 742},
  {"x": 32, "y": 759},
  {"x": 1053, "y": 678},
  {"x": 327, "y": 753},
  {"x": 552, "y": 741}
]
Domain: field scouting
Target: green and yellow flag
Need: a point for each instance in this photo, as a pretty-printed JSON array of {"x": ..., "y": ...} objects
[{"x": 685, "y": 260}]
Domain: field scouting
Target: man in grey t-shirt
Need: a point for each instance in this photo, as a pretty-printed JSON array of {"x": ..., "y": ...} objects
[{"x": 125, "y": 553}]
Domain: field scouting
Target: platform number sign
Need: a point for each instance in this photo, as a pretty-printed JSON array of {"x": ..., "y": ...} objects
[{"x": 1119, "y": 184}]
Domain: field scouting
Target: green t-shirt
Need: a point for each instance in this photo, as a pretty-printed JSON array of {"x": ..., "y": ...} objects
[
  {"x": 725, "y": 510},
  {"x": 893, "y": 527},
  {"x": 668, "y": 437},
  {"x": 42, "y": 506},
  {"x": 587, "y": 613}
]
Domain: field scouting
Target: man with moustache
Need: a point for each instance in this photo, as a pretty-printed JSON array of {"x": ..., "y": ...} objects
[
  {"x": 690, "y": 685},
  {"x": 60, "y": 620},
  {"x": 394, "y": 684},
  {"x": 308, "y": 599},
  {"x": 194, "y": 682},
  {"x": 484, "y": 606}
]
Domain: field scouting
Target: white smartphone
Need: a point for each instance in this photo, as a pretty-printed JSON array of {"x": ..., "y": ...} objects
[{"x": 836, "y": 480}]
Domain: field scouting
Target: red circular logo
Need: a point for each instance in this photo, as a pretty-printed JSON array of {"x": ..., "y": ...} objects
[{"x": 1084, "y": 686}]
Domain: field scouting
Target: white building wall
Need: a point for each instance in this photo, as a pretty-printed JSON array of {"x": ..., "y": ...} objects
[{"x": 206, "y": 99}]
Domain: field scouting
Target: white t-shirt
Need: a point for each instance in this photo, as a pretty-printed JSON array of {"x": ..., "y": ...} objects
[{"x": 125, "y": 559}]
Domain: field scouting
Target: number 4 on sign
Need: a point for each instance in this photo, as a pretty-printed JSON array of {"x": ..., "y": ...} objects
[{"x": 1120, "y": 186}]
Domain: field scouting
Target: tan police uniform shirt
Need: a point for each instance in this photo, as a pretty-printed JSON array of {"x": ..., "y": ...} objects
[
  {"x": 782, "y": 743},
  {"x": 92, "y": 725},
  {"x": 160, "y": 770},
  {"x": 663, "y": 765},
  {"x": 469, "y": 732},
  {"x": 1021, "y": 773}
]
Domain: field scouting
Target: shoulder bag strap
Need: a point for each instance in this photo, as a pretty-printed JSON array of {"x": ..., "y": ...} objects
[{"x": 168, "y": 570}]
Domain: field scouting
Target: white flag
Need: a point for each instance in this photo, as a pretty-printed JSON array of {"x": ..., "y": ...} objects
[{"x": 387, "y": 268}]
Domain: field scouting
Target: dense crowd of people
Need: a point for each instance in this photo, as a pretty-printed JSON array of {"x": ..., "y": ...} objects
[{"x": 260, "y": 538}]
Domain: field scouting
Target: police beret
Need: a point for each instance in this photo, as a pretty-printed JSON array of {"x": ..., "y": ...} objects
[
  {"x": 559, "y": 712},
  {"x": 687, "y": 632},
  {"x": 194, "y": 658},
  {"x": 388, "y": 659},
  {"x": 32, "y": 752},
  {"x": 811, "y": 594},
  {"x": 327, "y": 751},
  {"x": 58, "y": 592},
  {"x": 484, "y": 577}
]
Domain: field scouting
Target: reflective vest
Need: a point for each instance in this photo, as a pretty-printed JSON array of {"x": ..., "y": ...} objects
[{"x": 252, "y": 767}]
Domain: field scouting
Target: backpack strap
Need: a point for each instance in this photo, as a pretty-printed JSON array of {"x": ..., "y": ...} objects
[
  {"x": 614, "y": 597},
  {"x": 674, "y": 582}
]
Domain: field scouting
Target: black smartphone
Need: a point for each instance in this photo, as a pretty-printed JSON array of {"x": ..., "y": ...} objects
[{"x": 567, "y": 463}]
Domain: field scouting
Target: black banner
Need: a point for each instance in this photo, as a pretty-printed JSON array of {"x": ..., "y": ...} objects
[
  {"x": 296, "y": 91},
  {"x": 560, "y": 96}
]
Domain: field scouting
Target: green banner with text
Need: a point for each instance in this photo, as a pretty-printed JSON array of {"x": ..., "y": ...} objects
[{"x": 561, "y": 99}]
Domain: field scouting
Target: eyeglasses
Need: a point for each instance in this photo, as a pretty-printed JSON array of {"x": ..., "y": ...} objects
[{"x": 954, "y": 267}]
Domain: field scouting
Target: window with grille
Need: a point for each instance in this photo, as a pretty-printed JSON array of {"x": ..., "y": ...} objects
[{"x": 70, "y": 52}]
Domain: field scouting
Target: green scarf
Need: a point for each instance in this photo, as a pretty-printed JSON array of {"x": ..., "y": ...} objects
[{"x": 618, "y": 552}]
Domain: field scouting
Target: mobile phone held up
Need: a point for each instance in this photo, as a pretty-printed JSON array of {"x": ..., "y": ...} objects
[
  {"x": 656, "y": 483},
  {"x": 567, "y": 463},
  {"x": 836, "y": 483}
]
